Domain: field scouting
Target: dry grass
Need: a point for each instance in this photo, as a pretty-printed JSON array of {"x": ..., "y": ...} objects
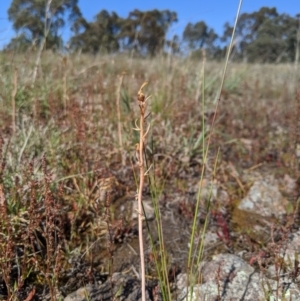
[{"x": 67, "y": 136}]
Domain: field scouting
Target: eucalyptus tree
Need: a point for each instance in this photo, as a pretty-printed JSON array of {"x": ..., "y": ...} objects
[
  {"x": 146, "y": 31},
  {"x": 100, "y": 35},
  {"x": 37, "y": 20}
]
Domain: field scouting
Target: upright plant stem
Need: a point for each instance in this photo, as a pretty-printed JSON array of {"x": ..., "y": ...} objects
[
  {"x": 13, "y": 100},
  {"x": 119, "y": 118},
  {"x": 297, "y": 46},
  {"x": 140, "y": 207},
  {"x": 65, "y": 95},
  {"x": 142, "y": 104},
  {"x": 43, "y": 42},
  {"x": 189, "y": 265}
]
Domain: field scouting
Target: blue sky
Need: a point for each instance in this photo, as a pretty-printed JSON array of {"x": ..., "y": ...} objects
[{"x": 214, "y": 13}]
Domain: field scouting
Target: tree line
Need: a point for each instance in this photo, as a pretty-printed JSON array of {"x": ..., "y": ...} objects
[{"x": 262, "y": 36}]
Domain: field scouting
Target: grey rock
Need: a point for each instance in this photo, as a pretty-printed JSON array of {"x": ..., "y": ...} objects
[
  {"x": 265, "y": 199},
  {"x": 148, "y": 207},
  {"x": 211, "y": 238},
  {"x": 80, "y": 294},
  {"x": 228, "y": 278}
]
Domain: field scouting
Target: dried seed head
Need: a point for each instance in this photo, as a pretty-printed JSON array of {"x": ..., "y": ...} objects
[{"x": 141, "y": 95}]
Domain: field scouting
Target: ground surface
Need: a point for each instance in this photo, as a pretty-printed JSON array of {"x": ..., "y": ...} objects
[{"x": 69, "y": 176}]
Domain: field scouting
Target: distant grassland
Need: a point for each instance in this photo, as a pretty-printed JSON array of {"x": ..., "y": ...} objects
[{"x": 72, "y": 105}]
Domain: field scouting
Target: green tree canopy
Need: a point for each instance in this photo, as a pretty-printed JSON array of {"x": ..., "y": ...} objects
[
  {"x": 264, "y": 36},
  {"x": 199, "y": 36},
  {"x": 261, "y": 36},
  {"x": 145, "y": 32},
  {"x": 275, "y": 41},
  {"x": 99, "y": 35},
  {"x": 32, "y": 18}
]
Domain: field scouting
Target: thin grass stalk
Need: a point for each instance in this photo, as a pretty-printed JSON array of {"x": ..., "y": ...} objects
[
  {"x": 162, "y": 269},
  {"x": 295, "y": 122},
  {"x": 201, "y": 83},
  {"x": 160, "y": 254},
  {"x": 297, "y": 47},
  {"x": 13, "y": 100},
  {"x": 211, "y": 131},
  {"x": 135, "y": 42},
  {"x": 201, "y": 247},
  {"x": 227, "y": 60},
  {"x": 208, "y": 146},
  {"x": 160, "y": 265},
  {"x": 190, "y": 272},
  {"x": 65, "y": 95},
  {"x": 203, "y": 147},
  {"x": 119, "y": 117},
  {"x": 205, "y": 154},
  {"x": 43, "y": 42},
  {"x": 294, "y": 134},
  {"x": 203, "y": 101}
]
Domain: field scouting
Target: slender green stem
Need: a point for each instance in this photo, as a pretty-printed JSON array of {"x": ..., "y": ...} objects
[{"x": 194, "y": 226}]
